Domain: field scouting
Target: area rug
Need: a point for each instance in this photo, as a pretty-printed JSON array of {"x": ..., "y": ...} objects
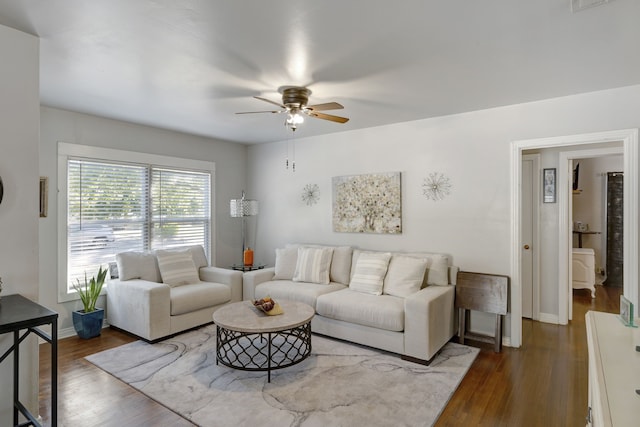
[{"x": 340, "y": 384}]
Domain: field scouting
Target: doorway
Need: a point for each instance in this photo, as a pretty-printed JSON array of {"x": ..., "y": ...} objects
[
  {"x": 587, "y": 213},
  {"x": 629, "y": 139}
]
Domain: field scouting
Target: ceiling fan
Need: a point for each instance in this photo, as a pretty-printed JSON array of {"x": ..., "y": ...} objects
[{"x": 294, "y": 104}]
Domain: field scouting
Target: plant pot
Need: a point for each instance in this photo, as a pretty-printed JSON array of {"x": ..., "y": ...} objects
[{"x": 88, "y": 325}]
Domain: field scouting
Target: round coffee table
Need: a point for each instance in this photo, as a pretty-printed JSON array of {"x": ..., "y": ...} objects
[{"x": 250, "y": 340}]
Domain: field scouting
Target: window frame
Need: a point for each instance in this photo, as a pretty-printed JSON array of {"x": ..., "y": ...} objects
[{"x": 77, "y": 151}]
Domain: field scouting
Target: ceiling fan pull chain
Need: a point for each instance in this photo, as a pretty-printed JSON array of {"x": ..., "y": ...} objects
[{"x": 293, "y": 152}]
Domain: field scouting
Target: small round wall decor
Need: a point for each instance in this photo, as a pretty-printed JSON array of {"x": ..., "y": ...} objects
[
  {"x": 311, "y": 194},
  {"x": 436, "y": 186}
]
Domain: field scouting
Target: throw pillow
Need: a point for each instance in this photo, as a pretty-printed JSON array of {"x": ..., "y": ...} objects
[
  {"x": 438, "y": 270},
  {"x": 341, "y": 264},
  {"x": 313, "y": 265},
  {"x": 340, "y": 270},
  {"x": 177, "y": 268},
  {"x": 286, "y": 260},
  {"x": 138, "y": 265},
  {"x": 404, "y": 276},
  {"x": 369, "y": 272}
]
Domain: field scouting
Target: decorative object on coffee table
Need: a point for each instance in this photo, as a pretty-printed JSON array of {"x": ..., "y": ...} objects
[
  {"x": 88, "y": 321},
  {"x": 268, "y": 305},
  {"x": 242, "y": 208},
  {"x": 250, "y": 340}
]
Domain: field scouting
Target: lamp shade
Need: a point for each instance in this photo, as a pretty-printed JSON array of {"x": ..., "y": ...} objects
[{"x": 239, "y": 208}]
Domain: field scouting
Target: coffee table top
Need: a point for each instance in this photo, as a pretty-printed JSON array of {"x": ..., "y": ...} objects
[{"x": 244, "y": 317}]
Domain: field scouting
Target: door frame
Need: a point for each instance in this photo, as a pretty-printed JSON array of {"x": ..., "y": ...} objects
[
  {"x": 629, "y": 138},
  {"x": 535, "y": 243}
]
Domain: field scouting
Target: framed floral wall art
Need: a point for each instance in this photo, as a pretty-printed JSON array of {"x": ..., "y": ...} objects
[{"x": 367, "y": 203}]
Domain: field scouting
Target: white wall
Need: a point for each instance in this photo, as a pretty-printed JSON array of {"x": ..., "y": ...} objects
[
  {"x": 64, "y": 126},
  {"x": 19, "y": 118},
  {"x": 472, "y": 149}
]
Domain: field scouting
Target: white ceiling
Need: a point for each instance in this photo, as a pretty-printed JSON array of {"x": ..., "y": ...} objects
[{"x": 189, "y": 65}]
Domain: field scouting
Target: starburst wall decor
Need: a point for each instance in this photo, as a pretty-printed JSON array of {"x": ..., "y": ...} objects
[
  {"x": 311, "y": 194},
  {"x": 436, "y": 186}
]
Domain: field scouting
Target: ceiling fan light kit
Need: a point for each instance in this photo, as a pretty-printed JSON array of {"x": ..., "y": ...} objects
[{"x": 294, "y": 104}]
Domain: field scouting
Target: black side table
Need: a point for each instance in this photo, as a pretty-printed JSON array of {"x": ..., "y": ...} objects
[
  {"x": 18, "y": 313},
  {"x": 243, "y": 268}
]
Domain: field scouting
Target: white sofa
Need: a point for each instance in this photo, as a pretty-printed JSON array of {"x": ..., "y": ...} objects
[
  {"x": 161, "y": 293},
  {"x": 411, "y": 314}
]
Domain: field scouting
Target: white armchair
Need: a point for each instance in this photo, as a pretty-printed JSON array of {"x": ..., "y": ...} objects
[{"x": 140, "y": 303}]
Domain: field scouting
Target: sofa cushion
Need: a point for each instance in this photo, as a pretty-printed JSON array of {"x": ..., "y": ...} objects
[
  {"x": 188, "y": 298},
  {"x": 340, "y": 270},
  {"x": 177, "y": 267},
  {"x": 301, "y": 292},
  {"x": 286, "y": 259},
  {"x": 382, "y": 312},
  {"x": 437, "y": 266},
  {"x": 138, "y": 265},
  {"x": 369, "y": 272},
  {"x": 404, "y": 276},
  {"x": 313, "y": 265},
  {"x": 438, "y": 270}
]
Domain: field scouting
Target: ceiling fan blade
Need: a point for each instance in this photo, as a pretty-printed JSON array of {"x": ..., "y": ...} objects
[
  {"x": 330, "y": 117},
  {"x": 256, "y": 112},
  {"x": 327, "y": 106},
  {"x": 270, "y": 101}
]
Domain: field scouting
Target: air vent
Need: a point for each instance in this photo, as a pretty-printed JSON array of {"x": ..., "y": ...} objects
[{"x": 578, "y": 5}]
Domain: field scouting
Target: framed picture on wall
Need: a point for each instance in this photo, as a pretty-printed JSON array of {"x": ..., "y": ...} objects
[{"x": 549, "y": 185}]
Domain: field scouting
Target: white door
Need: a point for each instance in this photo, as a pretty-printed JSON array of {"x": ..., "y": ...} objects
[{"x": 528, "y": 235}]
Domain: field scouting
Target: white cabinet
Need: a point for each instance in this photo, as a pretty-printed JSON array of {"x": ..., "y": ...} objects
[
  {"x": 584, "y": 269},
  {"x": 614, "y": 371}
]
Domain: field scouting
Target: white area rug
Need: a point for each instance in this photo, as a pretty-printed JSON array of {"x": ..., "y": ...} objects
[{"x": 340, "y": 384}]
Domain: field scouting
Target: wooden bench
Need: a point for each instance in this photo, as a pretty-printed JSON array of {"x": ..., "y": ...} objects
[{"x": 481, "y": 292}]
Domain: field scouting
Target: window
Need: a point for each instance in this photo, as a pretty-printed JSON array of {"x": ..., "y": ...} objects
[{"x": 114, "y": 206}]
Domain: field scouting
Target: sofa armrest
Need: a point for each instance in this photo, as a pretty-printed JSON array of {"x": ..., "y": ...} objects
[
  {"x": 429, "y": 321},
  {"x": 251, "y": 279},
  {"x": 231, "y": 278},
  {"x": 140, "y": 307}
]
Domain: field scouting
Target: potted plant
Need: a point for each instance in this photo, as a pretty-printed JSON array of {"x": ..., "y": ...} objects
[{"x": 88, "y": 321}]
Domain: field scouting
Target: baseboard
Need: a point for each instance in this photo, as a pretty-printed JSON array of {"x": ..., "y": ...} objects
[
  {"x": 69, "y": 332},
  {"x": 549, "y": 318}
]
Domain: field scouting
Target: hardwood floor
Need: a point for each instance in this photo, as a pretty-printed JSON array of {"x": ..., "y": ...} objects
[{"x": 543, "y": 383}]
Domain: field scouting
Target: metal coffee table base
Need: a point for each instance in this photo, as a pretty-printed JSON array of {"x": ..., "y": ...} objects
[{"x": 263, "y": 351}]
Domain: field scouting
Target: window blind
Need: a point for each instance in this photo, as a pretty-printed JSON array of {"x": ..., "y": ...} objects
[{"x": 117, "y": 207}]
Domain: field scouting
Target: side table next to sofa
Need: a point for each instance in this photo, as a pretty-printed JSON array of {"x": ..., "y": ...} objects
[{"x": 18, "y": 313}]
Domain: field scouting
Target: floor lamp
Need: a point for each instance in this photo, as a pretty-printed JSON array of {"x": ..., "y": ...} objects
[{"x": 242, "y": 208}]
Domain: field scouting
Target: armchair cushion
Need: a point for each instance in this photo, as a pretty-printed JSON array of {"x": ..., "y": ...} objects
[
  {"x": 138, "y": 265},
  {"x": 177, "y": 268},
  {"x": 185, "y": 299}
]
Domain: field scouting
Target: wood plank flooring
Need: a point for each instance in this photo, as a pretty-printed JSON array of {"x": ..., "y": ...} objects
[{"x": 543, "y": 383}]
